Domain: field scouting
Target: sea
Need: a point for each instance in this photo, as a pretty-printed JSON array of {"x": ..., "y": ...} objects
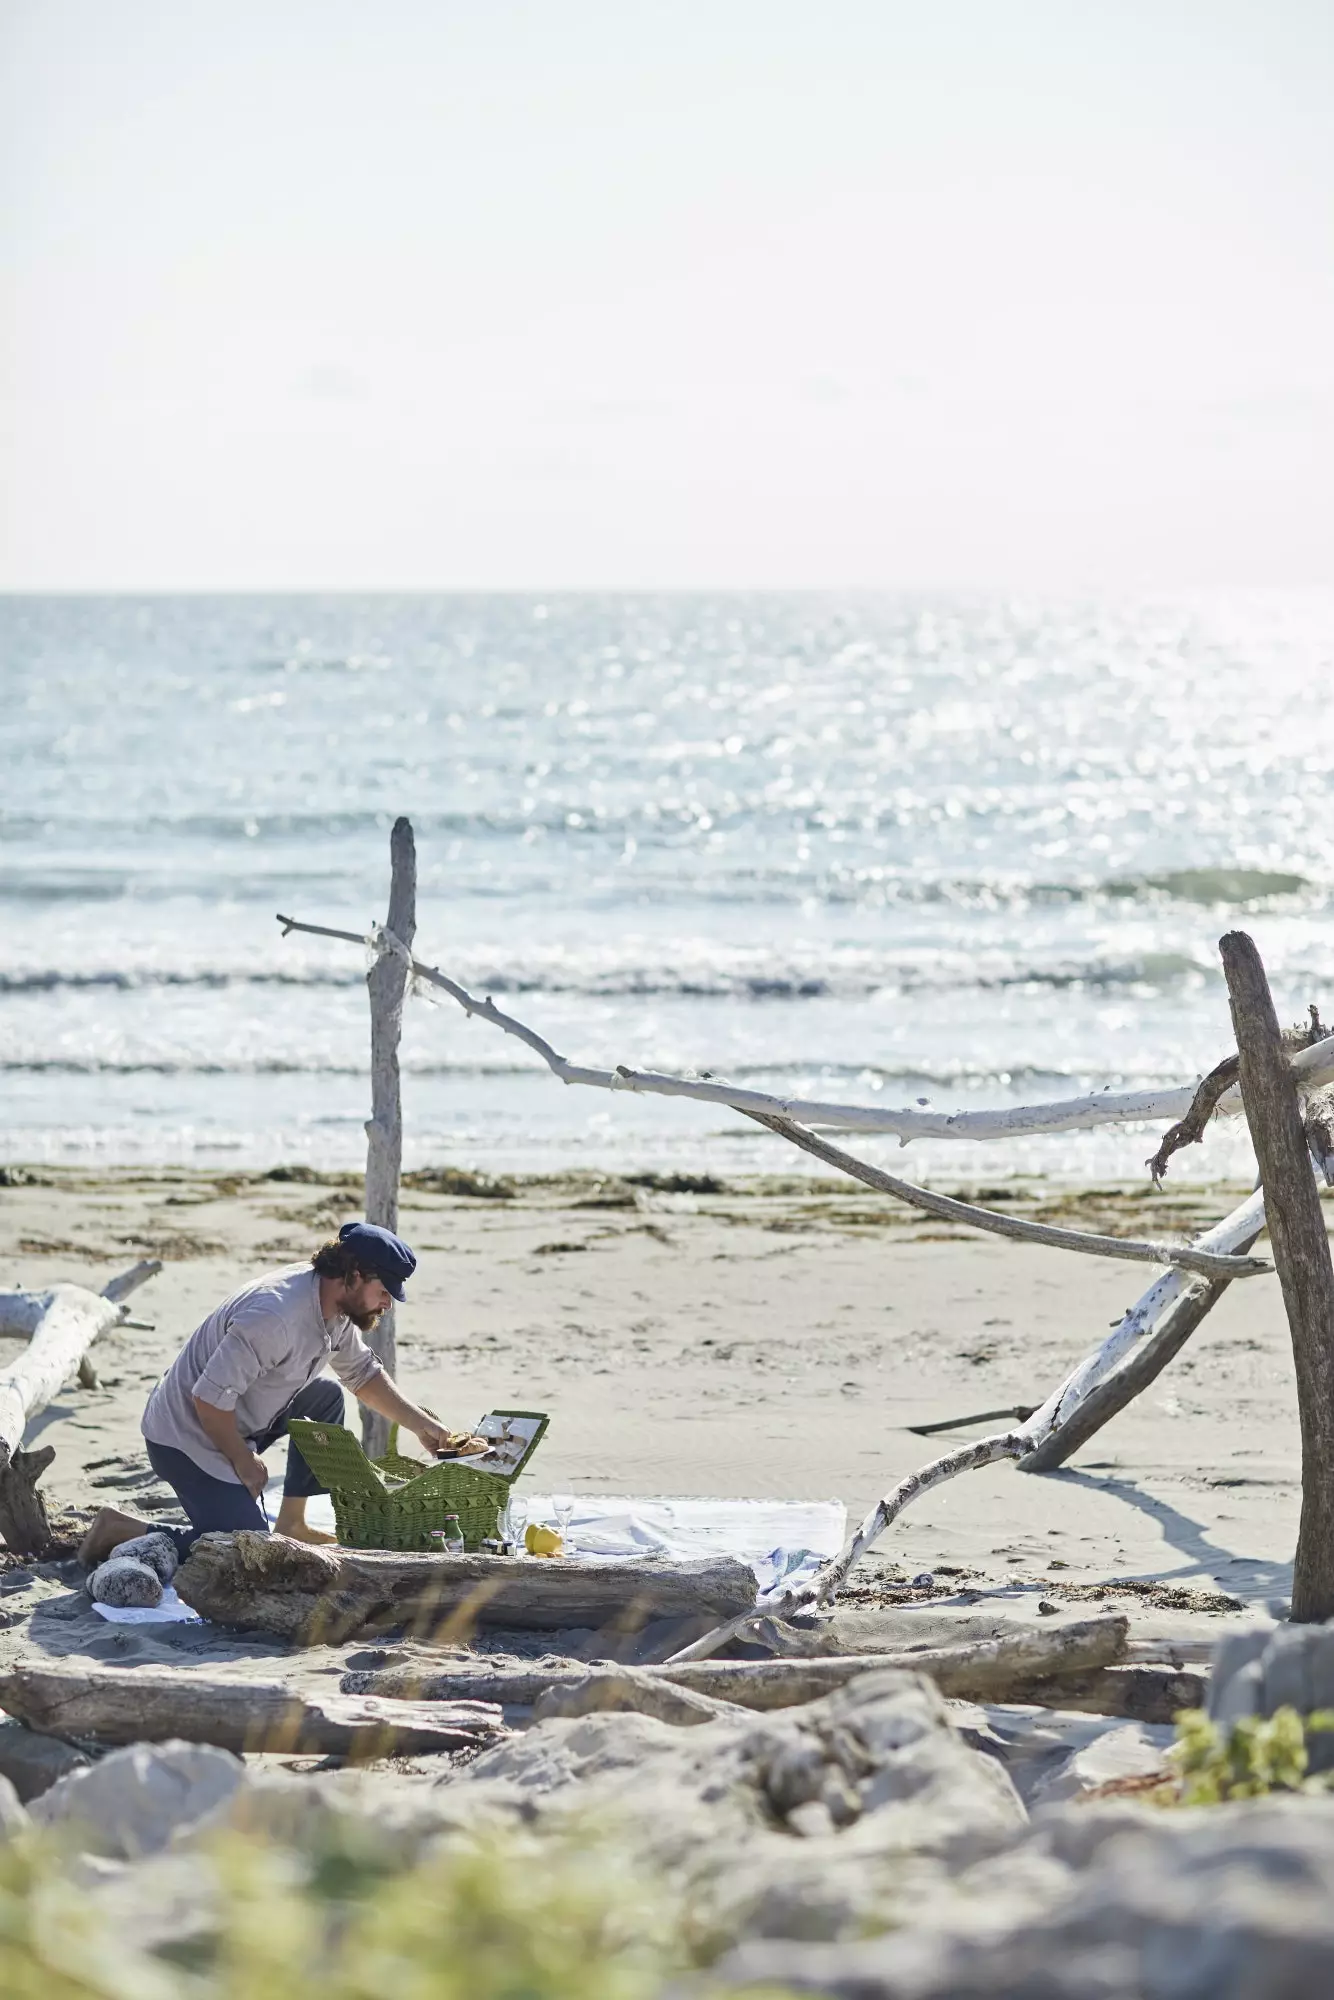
[{"x": 959, "y": 851}]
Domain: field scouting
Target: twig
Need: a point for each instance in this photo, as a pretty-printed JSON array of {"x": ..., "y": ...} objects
[
  {"x": 1189, "y": 1131},
  {"x": 1222, "y": 1078},
  {"x": 1019, "y": 1413}
]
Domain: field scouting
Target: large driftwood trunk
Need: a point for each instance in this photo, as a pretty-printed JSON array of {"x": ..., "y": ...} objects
[
  {"x": 319, "y": 1596},
  {"x": 60, "y": 1325},
  {"x": 1145, "y": 1364},
  {"x": 110, "y": 1705},
  {"x": 1301, "y": 1253},
  {"x": 387, "y": 983}
]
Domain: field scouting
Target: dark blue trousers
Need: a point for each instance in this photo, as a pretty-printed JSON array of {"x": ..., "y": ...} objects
[{"x": 224, "y": 1504}]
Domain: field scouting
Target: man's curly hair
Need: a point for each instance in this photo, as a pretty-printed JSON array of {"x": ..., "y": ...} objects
[{"x": 338, "y": 1260}]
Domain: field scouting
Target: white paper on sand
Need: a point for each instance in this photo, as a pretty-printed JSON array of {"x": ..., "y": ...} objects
[{"x": 171, "y": 1611}]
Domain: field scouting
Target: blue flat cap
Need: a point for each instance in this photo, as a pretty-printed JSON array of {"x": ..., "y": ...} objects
[{"x": 380, "y": 1253}]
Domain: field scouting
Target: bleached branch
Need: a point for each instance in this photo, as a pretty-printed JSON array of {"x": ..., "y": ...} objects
[
  {"x": 1314, "y": 1065},
  {"x": 1208, "y": 1263}
]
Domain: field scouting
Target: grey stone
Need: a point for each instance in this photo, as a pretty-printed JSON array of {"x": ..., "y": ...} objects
[
  {"x": 791, "y": 1824},
  {"x": 1231, "y": 1903},
  {"x": 124, "y": 1581},
  {"x": 32, "y": 1762},
  {"x": 1272, "y": 1667},
  {"x": 1053, "y": 1754},
  {"x": 136, "y": 1800},
  {"x": 157, "y": 1551},
  {"x": 1233, "y": 1652},
  {"x": 13, "y": 1819}
]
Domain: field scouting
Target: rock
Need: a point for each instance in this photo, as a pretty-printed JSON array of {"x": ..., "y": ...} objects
[
  {"x": 1054, "y": 1754},
  {"x": 124, "y": 1581},
  {"x": 789, "y": 1824},
  {"x": 135, "y": 1801},
  {"x": 1224, "y": 1903},
  {"x": 33, "y": 1762},
  {"x": 1268, "y": 1667},
  {"x": 13, "y": 1819},
  {"x": 157, "y": 1550}
]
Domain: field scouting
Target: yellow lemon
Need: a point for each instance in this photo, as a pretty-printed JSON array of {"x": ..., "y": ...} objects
[{"x": 542, "y": 1541}]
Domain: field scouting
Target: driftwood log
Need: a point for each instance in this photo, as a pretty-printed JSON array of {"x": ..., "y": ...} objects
[
  {"x": 319, "y": 1596},
  {"x": 1144, "y": 1365},
  {"x": 59, "y": 1326},
  {"x": 387, "y": 983},
  {"x": 111, "y": 1705},
  {"x": 985, "y": 1670},
  {"x": 1302, "y": 1256},
  {"x": 1139, "y": 1693},
  {"x": 630, "y": 1690}
]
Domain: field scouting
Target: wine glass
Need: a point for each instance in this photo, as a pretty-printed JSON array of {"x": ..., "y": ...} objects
[
  {"x": 562, "y": 1506},
  {"x": 513, "y": 1521}
]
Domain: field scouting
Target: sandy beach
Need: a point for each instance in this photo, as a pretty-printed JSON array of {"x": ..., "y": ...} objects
[{"x": 770, "y": 1338}]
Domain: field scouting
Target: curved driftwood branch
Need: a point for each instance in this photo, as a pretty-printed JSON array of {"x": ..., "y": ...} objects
[
  {"x": 1315, "y": 1065},
  {"x": 60, "y": 1324},
  {"x": 1208, "y": 1263}
]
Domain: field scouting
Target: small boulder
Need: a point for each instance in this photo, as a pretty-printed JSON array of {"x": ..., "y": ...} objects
[
  {"x": 13, "y": 1819},
  {"x": 137, "y": 1800},
  {"x": 157, "y": 1550},
  {"x": 32, "y": 1762},
  {"x": 127, "y": 1583}
]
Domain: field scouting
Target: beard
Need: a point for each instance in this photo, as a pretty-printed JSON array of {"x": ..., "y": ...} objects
[{"x": 366, "y": 1322}]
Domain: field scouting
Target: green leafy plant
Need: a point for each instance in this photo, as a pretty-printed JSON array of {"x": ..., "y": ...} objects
[{"x": 1255, "y": 1756}]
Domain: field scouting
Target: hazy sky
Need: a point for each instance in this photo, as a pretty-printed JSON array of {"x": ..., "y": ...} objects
[{"x": 303, "y": 293}]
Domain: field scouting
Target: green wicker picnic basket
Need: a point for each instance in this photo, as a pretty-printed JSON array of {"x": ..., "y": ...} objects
[{"x": 394, "y": 1502}]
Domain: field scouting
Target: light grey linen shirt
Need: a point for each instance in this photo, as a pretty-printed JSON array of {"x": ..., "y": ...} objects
[{"x": 251, "y": 1355}]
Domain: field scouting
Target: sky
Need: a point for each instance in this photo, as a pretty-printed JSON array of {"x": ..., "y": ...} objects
[{"x": 303, "y": 294}]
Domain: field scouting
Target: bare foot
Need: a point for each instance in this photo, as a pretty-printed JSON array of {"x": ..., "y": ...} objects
[
  {"x": 111, "y": 1526},
  {"x": 303, "y": 1533},
  {"x": 291, "y": 1521}
]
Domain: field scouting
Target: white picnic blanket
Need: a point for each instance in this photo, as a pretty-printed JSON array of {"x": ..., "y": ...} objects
[{"x": 784, "y": 1541}]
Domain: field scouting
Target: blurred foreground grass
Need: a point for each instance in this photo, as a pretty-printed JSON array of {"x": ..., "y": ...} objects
[{"x": 258, "y": 1921}]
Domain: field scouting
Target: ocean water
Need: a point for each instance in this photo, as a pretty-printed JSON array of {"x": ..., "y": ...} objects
[{"x": 976, "y": 851}]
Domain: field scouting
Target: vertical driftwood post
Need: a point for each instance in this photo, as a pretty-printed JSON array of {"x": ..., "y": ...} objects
[
  {"x": 1301, "y": 1254},
  {"x": 387, "y": 982}
]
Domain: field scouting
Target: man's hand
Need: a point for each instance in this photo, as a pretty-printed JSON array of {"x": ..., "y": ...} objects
[
  {"x": 252, "y": 1473},
  {"x": 458, "y": 1444}
]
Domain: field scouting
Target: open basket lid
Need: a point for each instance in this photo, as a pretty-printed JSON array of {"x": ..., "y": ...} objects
[{"x": 516, "y": 1435}]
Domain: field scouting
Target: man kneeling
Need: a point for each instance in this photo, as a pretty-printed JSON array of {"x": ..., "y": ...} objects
[{"x": 255, "y": 1363}]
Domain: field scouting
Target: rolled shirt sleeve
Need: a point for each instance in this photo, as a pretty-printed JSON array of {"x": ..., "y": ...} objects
[
  {"x": 249, "y": 1349},
  {"x": 351, "y": 1360}
]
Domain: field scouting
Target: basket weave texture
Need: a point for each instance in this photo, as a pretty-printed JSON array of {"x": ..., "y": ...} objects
[{"x": 394, "y": 1502}]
